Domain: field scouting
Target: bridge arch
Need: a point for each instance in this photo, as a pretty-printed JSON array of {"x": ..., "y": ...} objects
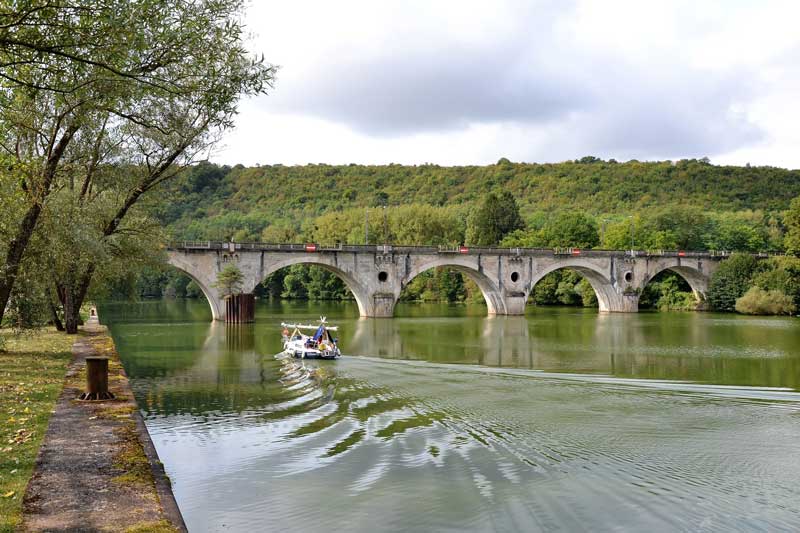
[
  {"x": 360, "y": 293},
  {"x": 696, "y": 278},
  {"x": 604, "y": 290},
  {"x": 491, "y": 292},
  {"x": 213, "y": 299}
]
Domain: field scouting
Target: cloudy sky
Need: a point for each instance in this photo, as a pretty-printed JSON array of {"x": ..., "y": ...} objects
[{"x": 462, "y": 82}]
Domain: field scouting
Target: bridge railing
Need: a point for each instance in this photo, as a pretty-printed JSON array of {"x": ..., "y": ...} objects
[{"x": 448, "y": 249}]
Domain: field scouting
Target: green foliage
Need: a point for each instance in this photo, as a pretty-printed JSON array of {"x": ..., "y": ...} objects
[
  {"x": 757, "y": 301},
  {"x": 745, "y": 231},
  {"x": 193, "y": 290},
  {"x": 303, "y": 282},
  {"x": 407, "y": 224},
  {"x": 731, "y": 280},
  {"x": 564, "y": 287},
  {"x": 440, "y": 284},
  {"x": 290, "y": 196},
  {"x": 27, "y": 307},
  {"x": 780, "y": 274},
  {"x": 566, "y": 229},
  {"x": 668, "y": 291},
  {"x": 588, "y": 296},
  {"x": 570, "y": 229},
  {"x": 792, "y": 221},
  {"x": 493, "y": 219},
  {"x": 102, "y": 102},
  {"x": 229, "y": 280}
]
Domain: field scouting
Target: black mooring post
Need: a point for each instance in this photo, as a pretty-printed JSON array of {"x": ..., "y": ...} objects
[{"x": 96, "y": 380}]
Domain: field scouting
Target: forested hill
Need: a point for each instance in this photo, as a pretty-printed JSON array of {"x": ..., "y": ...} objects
[{"x": 213, "y": 202}]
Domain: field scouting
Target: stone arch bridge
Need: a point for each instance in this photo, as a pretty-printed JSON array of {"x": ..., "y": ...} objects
[{"x": 506, "y": 276}]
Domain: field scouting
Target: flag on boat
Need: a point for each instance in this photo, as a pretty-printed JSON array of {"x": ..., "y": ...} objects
[{"x": 320, "y": 331}]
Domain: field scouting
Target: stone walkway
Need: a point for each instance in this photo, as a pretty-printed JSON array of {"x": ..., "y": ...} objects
[{"x": 97, "y": 469}]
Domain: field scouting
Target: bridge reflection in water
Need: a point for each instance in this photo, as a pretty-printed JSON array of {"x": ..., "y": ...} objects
[{"x": 565, "y": 340}]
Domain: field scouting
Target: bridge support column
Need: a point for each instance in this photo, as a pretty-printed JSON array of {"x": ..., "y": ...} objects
[
  {"x": 514, "y": 303},
  {"x": 240, "y": 309},
  {"x": 383, "y": 305},
  {"x": 624, "y": 303}
]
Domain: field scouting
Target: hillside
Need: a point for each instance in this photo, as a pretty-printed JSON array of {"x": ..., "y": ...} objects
[{"x": 213, "y": 202}]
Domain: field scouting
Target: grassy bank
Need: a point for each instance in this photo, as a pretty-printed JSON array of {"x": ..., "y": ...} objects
[{"x": 32, "y": 368}]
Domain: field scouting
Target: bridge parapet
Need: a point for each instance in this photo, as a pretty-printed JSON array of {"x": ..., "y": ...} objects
[{"x": 455, "y": 249}]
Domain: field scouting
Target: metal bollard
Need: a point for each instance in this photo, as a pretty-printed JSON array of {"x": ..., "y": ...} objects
[{"x": 96, "y": 380}]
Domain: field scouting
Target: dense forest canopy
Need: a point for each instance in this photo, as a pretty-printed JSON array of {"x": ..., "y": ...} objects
[{"x": 279, "y": 203}]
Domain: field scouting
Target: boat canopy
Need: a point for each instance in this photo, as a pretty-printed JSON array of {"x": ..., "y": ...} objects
[{"x": 309, "y": 326}]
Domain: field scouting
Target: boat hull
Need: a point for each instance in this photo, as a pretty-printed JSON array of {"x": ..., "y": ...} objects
[
  {"x": 308, "y": 354},
  {"x": 300, "y": 351}
]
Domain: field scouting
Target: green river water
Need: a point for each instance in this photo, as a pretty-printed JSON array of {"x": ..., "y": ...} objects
[{"x": 443, "y": 419}]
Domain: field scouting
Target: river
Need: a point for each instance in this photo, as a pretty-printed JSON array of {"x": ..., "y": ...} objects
[{"x": 443, "y": 419}]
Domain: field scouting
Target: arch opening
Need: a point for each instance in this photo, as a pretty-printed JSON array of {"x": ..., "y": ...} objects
[
  {"x": 178, "y": 287},
  {"x": 311, "y": 281},
  {"x": 572, "y": 285},
  {"x": 675, "y": 288},
  {"x": 451, "y": 283}
]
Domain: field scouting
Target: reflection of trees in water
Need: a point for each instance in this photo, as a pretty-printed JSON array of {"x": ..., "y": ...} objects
[
  {"x": 352, "y": 403},
  {"x": 340, "y": 414},
  {"x": 682, "y": 346}
]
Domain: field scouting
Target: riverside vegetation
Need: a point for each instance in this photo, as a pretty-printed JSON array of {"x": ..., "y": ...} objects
[{"x": 588, "y": 203}]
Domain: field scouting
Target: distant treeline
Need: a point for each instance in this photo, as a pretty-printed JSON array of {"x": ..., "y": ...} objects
[{"x": 277, "y": 203}]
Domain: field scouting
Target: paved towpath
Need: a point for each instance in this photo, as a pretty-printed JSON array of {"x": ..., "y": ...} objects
[{"x": 97, "y": 469}]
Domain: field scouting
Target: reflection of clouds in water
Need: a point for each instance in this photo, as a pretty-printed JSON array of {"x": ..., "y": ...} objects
[{"x": 393, "y": 432}]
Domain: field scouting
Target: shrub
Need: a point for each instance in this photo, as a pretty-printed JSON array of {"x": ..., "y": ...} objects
[
  {"x": 757, "y": 301},
  {"x": 731, "y": 281},
  {"x": 781, "y": 274}
]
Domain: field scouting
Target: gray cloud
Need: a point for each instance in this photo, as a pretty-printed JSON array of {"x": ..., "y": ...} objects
[
  {"x": 531, "y": 76},
  {"x": 436, "y": 90}
]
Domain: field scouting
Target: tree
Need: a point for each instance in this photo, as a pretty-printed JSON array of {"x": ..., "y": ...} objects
[
  {"x": 570, "y": 229},
  {"x": 792, "y": 221},
  {"x": 780, "y": 274},
  {"x": 493, "y": 219},
  {"x": 731, "y": 281},
  {"x": 229, "y": 280},
  {"x": 137, "y": 86}
]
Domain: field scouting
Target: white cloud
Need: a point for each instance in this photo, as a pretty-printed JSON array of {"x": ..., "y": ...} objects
[{"x": 454, "y": 82}]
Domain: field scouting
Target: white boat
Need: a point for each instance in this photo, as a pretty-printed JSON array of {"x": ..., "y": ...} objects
[{"x": 320, "y": 345}]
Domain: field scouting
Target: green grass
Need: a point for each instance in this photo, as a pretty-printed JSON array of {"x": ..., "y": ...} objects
[{"x": 32, "y": 368}]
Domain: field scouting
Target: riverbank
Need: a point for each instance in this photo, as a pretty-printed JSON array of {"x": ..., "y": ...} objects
[
  {"x": 32, "y": 368},
  {"x": 97, "y": 469}
]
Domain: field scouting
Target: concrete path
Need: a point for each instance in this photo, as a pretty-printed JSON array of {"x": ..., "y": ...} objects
[{"x": 97, "y": 469}]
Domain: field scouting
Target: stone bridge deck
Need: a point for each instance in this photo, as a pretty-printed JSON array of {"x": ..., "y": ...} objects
[{"x": 376, "y": 274}]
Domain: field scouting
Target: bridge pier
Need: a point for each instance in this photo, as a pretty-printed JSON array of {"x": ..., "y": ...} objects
[
  {"x": 382, "y": 305},
  {"x": 624, "y": 303},
  {"x": 240, "y": 309},
  {"x": 515, "y": 303}
]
